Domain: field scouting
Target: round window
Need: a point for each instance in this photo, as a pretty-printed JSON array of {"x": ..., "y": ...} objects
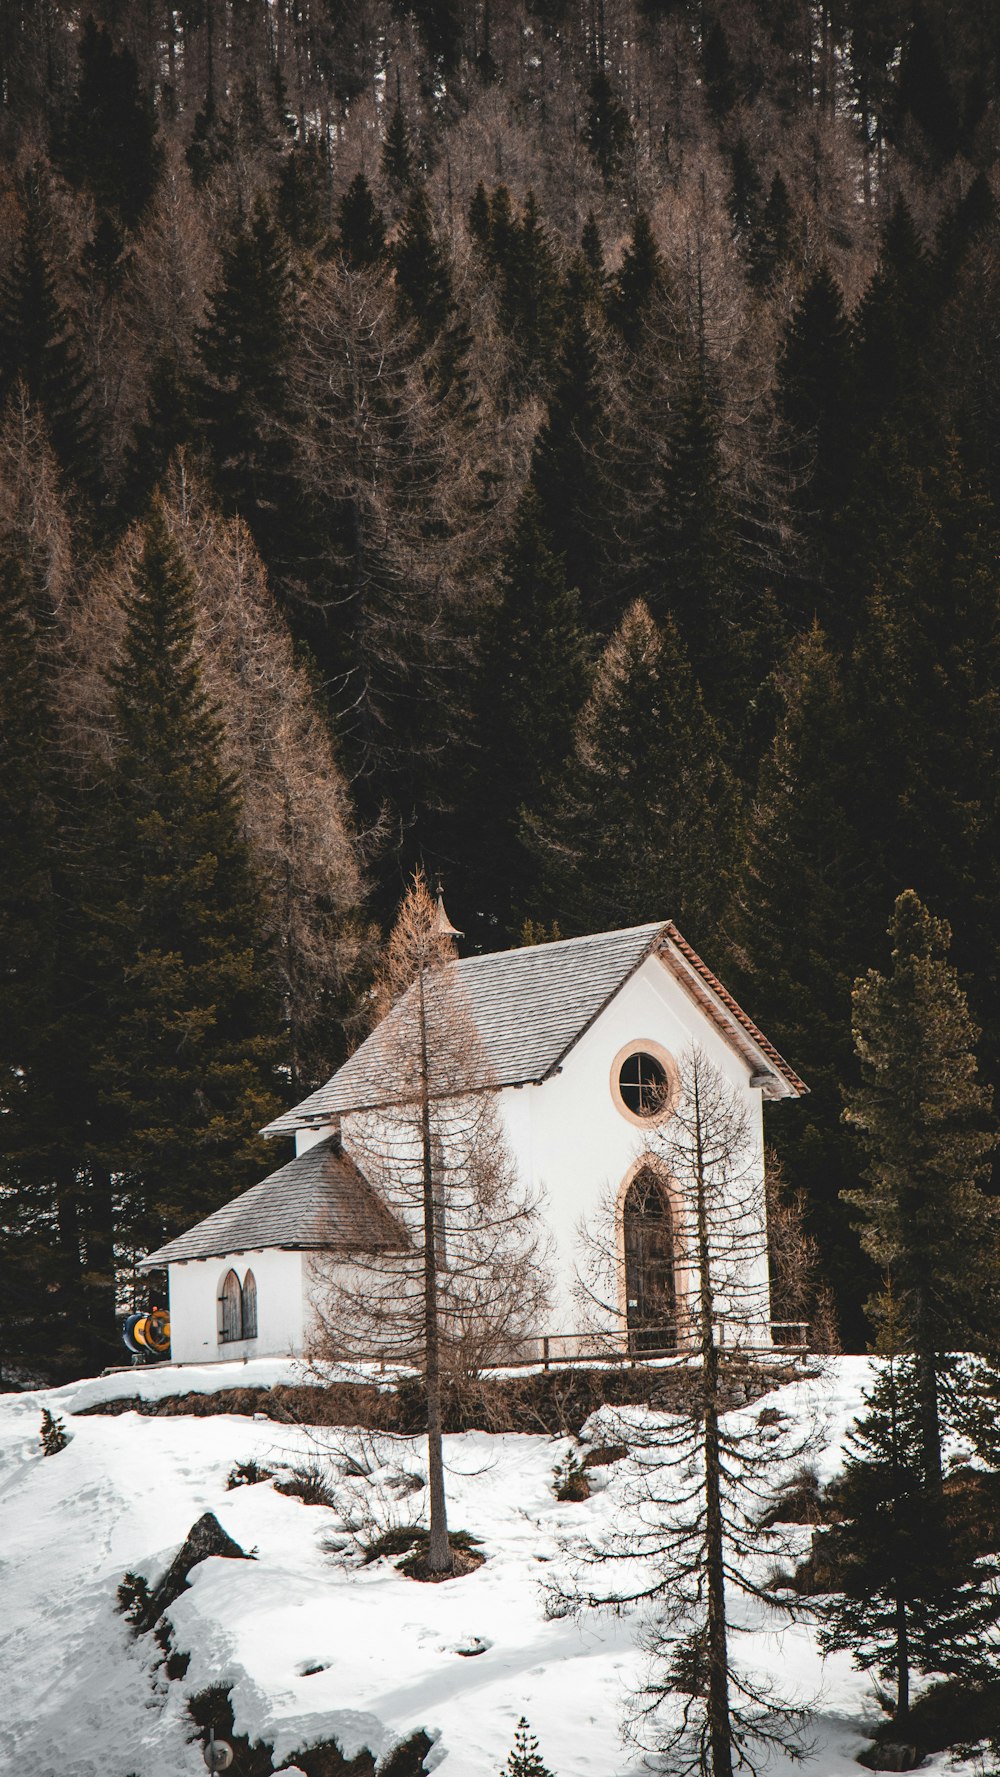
[{"x": 642, "y": 1082}]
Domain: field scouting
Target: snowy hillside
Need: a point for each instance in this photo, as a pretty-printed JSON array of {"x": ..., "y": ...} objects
[{"x": 315, "y": 1648}]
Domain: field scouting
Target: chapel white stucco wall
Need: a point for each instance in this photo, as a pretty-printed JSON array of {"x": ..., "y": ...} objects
[
  {"x": 574, "y": 1145},
  {"x": 281, "y": 1306}
]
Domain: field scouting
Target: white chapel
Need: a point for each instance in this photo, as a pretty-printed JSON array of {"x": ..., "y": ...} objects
[{"x": 583, "y": 1038}]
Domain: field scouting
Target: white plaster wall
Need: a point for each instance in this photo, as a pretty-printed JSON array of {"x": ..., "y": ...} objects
[
  {"x": 574, "y": 1144},
  {"x": 194, "y": 1312},
  {"x": 307, "y": 1138},
  {"x": 575, "y": 1148}
]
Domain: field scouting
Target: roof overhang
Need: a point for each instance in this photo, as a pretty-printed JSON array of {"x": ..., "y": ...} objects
[{"x": 768, "y": 1070}]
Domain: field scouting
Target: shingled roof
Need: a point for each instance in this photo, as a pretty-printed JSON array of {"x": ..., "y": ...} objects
[
  {"x": 318, "y": 1201},
  {"x": 530, "y": 1007}
]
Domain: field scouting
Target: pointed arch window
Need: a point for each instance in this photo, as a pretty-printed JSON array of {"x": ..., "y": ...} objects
[
  {"x": 650, "y": 1286},
  {"x": 230, "y": 1309},
  {"x": 249, "y": 1306}
]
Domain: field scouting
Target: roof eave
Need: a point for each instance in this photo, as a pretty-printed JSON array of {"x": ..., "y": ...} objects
[{"x": 769, "y": 1071}]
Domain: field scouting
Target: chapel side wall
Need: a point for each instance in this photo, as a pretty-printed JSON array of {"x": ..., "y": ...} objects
[
  {"x": 577, "y": 1148},
  {"x": 194, "y": 1314}
]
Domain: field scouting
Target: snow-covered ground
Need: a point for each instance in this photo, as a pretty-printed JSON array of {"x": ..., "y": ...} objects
[{"x": 314, "y": 1647}]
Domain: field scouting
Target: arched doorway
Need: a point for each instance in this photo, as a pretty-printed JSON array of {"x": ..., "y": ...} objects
[{"x": 650, "y": 1287}]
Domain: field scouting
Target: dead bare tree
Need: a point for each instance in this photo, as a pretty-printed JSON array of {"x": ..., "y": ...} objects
[
  {"x": 700, "y": 1511},
  {"x": 464, "y": 1284}
]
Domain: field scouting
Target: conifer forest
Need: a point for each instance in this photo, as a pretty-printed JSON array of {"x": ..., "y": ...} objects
[{"x": 553, "y": 445}]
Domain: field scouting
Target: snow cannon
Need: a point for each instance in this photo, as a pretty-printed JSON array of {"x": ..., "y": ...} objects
[{"x": 147, "y": 1332}]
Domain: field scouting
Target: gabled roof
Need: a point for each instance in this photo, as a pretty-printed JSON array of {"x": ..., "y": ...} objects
[
  {"x": 532, "y": 1005},
  {"x": 319, "y": 1200}
]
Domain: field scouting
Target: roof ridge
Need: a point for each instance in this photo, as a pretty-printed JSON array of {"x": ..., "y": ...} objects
[{"x": 482, "y": 956}]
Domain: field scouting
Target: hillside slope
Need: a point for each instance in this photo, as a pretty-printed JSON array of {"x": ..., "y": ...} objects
[{"x": 314, "y": 1649}]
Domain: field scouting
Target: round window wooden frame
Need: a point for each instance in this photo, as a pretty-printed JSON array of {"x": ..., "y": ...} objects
[{"x": 645, "y": 1046}]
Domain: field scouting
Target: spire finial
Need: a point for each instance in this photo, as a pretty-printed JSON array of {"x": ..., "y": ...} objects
[{"x": 443, "y": 927}]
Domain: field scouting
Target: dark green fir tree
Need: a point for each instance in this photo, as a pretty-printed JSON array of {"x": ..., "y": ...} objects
[
  {"x": 241, "y": 391},
  {"x": 303, "y": 201},
  {"x": 39, "y": 346},
  {"x": 423, "y": 275},
  {"x": 524, "y": 1758},
  {"x": 186, "y": 1067},
  {"x": 640, "y": 278},
  {"x": 533, "y": 678},
  {"x": 607, "y": 128},
  {"x": 530, "y": 295},
  {"x": 107, "y": 140},
  {"x": 814, "y": 395},
  {"x": 903, "y": 1596},
  {"x": 644, "y": 821},
  {"x": 796, "y": 929},
  {"x": 360, "y": 225},
  {"x": 397, "y": 154},
  {"x": 29, "y": 1259},
  {"x": 56, "y": 1299},
  {"x": 924, "y": 1119},
  {"x": 569, "y": 468}
]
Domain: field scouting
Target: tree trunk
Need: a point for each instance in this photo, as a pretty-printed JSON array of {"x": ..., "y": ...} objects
[
  {"x": 902, "y": 1666},
  {"x": 720, "y": 1733},
  {"x": 927, "y": 1389},
  {"x": 439, "y": 1556}
]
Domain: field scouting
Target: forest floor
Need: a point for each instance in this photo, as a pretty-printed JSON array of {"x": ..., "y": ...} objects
[{"x": 314, "y": 1644}]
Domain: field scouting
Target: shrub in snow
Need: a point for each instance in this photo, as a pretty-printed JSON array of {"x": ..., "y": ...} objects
[
  {"x": 308, "y": 1483},
  {"x": 54, "y": 1436},
  {"x": 569, "y": 1479},
  {"x": 247, "y": 1474},
  {"x": 524, "y": 1759},
  {"x": 133, "y": 1598}
]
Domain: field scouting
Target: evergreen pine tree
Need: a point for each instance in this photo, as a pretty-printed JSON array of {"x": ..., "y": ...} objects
[
  {"x": 423, "y": 276},
  {"x": 639, "y": 276},
  {"x": 303, "y": 198},
  {"x": 360, "y": 225},
  {"x": 592, "y": 252},
  {"x": 532, "y": 680},
  {"x": 924, "y": 1120},
  {"x": 27, "y": 811},
  {"x": 688, "y": 548},
  {"x": 169, "y": 422},
  {"x": 39, "y": 345},
  {"x": 530, "y": 297},
  {"x": 797, "y": 929},
  {"x": 644, "y": 822},
  {"x": 746, "y": 193},
  {"x": 569, "y": 471},
  {"x": 28, "y": 922},
  {"x": 524, "y": 1758},
  {"x": 185, "y": 1069},
  {"x": 107, "y": 140},
  {"x": 771, "y": 246},
  {"x": 902, "y": 1597},
  {"x": 923, "y": 91},
  {"x": 719, "y": 71},
  {"x": 397, "y": 155},
  {"x": 479, "y": 216},
  {"x": 241, "y": 391},
  {"x": 607, "y": 129},
  {"x": 925, "y": 671},
  {"x": 814, "y": 395},
  {"x": 892, "y": 322}
]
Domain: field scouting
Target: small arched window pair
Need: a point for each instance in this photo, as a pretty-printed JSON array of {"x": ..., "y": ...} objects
[{"x": 237, "y": 1308}]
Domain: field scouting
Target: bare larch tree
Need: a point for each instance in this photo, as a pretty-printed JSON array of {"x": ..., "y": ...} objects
[
  {"x": 699, "y": 1530},
  {"x": 464, "y": 1284}
]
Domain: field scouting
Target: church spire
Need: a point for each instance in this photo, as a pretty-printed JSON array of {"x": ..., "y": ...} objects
[{"x": 442, "y": 927}]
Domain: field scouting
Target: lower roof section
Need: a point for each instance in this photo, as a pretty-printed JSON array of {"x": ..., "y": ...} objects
[{"x": 320, "y": 1200}]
